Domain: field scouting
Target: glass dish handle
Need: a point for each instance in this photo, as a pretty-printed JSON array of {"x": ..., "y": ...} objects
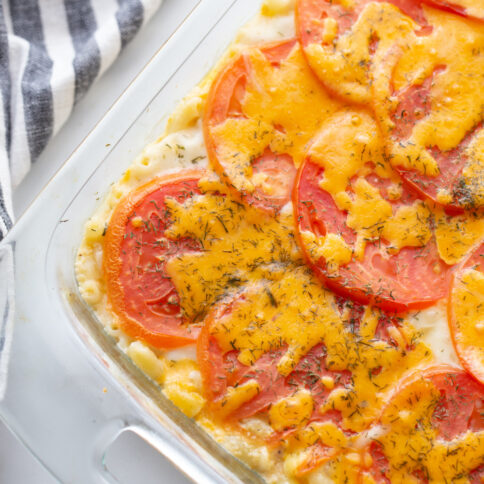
[
  {"x": 58, "y": 406},
  {"x": 64, "y": 406}
]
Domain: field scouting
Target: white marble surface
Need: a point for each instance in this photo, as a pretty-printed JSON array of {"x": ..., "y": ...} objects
[{"x": 128, "y": 454}]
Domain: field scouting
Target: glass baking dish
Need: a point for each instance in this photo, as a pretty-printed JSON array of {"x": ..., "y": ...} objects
[{"x": 70, "y": 390}]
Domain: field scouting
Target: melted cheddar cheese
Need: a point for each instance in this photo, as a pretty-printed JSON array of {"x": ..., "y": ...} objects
[
  {"x": 467, "y": 300},
  {"x": 457, "y": 235},
  {"x": 346, "y": 143},
  {"x": 291, "y": 411},
  {"x": 412, "y": 443},
  {"x": 350, "y": 147},
  {"x": 473, "y": 173},
  {"x": 235, "y": 242},
  {"x": 283, "y": 107},
  {"x": 283, "y": 305},
  {"x": 452, "y": 56},
  {"x": 345, "y": 62}
]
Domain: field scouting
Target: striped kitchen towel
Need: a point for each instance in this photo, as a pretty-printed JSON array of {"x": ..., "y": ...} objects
[{"x": 51, "y": 52}]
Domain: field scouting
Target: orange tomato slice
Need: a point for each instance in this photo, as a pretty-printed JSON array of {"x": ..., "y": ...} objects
[
  {"x": 136, "y": 250},
  {"x": 466, "y": 313}
]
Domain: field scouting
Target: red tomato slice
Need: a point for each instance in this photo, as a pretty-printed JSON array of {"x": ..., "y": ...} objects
[
  {"x": 477, "y": 475},
  {"x": 459, "y": 409},
  {"x": 310, "y": 16},
  {"x": 221, "y": 371},
  {"x": 460, "y": 7},
  {"x": 225, "y": 101},
  {"x": 136, "y": 250},
  {"x": 380, "y": 467},
  {"x": 414, "y": 105},
  {"x": 415, "y": 277},
  {"x": 318, "y": 455},
  {"x": 310, "y": 12},
  {"x": 465, "y": 313},
  {"x": 461, "y": 405}
]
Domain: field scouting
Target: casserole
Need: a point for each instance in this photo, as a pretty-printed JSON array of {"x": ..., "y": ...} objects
[
  {"x": 170, "y": 260},
  {"x": 400, "y": 342}
]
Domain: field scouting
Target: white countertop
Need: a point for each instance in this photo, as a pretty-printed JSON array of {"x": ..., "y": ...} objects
[{"x": 128, "y": 455}]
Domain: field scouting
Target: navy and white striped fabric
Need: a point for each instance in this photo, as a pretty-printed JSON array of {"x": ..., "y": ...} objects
[{"x": 51, "y": 52}]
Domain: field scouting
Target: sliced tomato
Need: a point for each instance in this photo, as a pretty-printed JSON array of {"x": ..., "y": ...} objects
[
  {"x": 473, "y": 9},
  {"x": 466, "y": 313},
  {"x": 458, "y": 410},
  {"x": 280, "y": 172},
  {"x": 221, "y": 371},
  {"x": 414, "y": 104},
  {"x": 318, "y": 454},
  {"x": 310, "y": 14},
  {"x": 415, "y": 277},
  {"x": 136, "y": 250},
  {"x": 353, "y": 78},
  {"x": 226, "y": 101},
  {"x": 461, "y": 403},
  {"x": 379, "y": 467},
  {"x": 477, "y": 475}
]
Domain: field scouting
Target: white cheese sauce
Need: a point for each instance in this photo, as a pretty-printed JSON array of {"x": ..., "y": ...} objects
[
  {"x": 435, "y": 333},
  {"x": 188, "y": 352},
  {"x": 267, "y": 29}
]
